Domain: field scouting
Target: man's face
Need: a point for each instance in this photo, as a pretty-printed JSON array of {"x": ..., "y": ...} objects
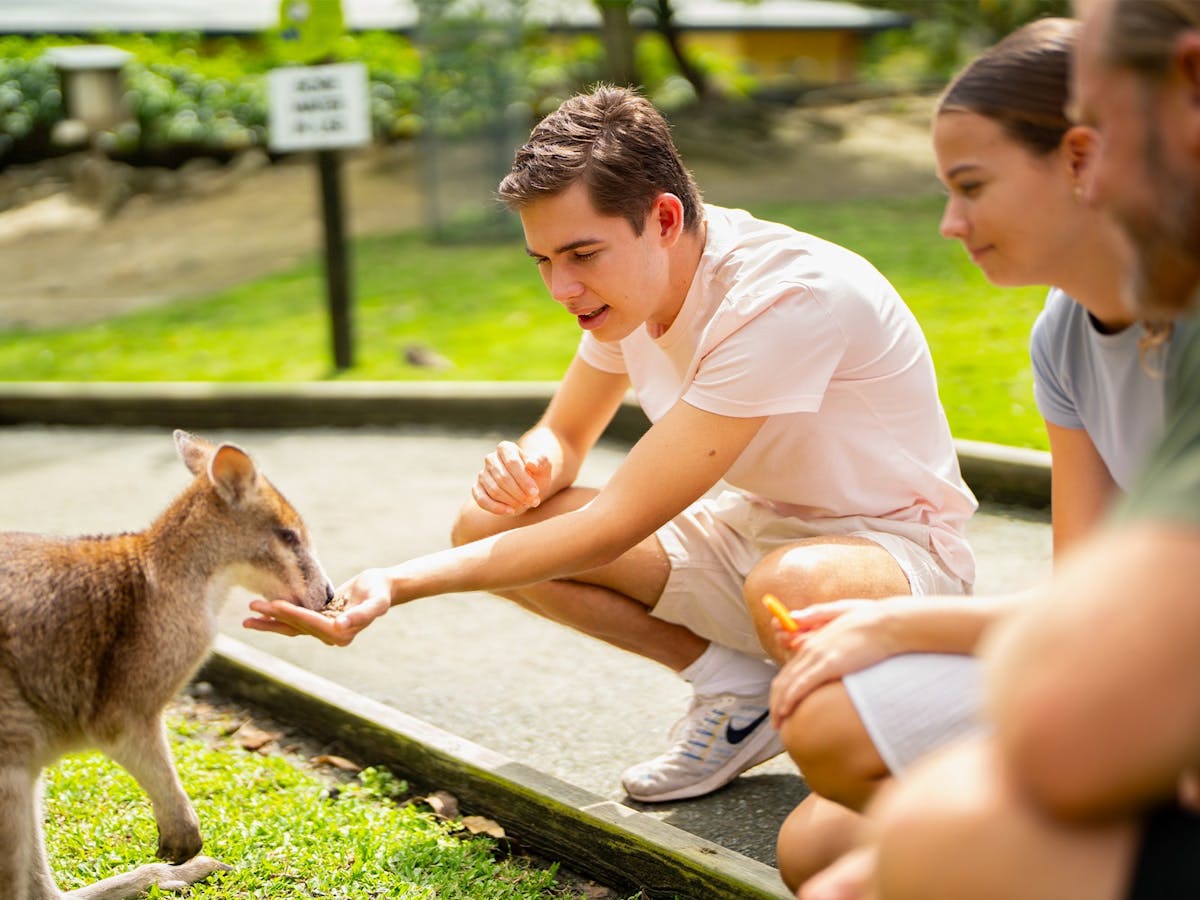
[
  {"x": 1143, "y": 173},
  {"x": 610, "y": 278}
]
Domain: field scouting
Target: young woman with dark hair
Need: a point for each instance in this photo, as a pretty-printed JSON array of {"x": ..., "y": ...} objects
[{"x": 876, "y": 686}]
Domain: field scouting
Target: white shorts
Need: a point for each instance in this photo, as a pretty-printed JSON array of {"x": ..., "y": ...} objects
[
  {"x": 714, "y": 543},
  {"x": 917, "y": 702}
]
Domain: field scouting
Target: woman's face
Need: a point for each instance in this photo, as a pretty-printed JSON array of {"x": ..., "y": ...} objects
[{"x": 1011, "y": 208}]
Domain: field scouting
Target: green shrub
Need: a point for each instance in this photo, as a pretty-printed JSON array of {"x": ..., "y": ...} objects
[
  {"x": 193, "y": 94},
  {"x": 30, "y": 101}
]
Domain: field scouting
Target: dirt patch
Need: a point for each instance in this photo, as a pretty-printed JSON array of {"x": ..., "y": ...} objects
[
  {"x": 82, "y": 240},
  {"x": 67, "y": 261}
]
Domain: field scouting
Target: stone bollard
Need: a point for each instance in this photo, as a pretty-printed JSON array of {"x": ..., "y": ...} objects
[{"x": 93, "y": 90}]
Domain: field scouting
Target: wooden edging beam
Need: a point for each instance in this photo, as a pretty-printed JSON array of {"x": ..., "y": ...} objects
[{"x": 593, "y": 836}]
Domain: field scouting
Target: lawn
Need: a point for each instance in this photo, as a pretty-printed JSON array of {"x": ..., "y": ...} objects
[
  {"x": 483, "y": 307},
  {"x": 286, "y": 828}
]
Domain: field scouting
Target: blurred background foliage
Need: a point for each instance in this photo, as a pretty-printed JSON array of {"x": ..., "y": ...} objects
[
  {"x": 195, "y": 94},
  {"x": 434, "y": 93},
  {"x": 946, "y": 33}
]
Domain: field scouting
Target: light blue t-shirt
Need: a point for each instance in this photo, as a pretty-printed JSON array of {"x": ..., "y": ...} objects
[{"x": 1084, "y": 378}]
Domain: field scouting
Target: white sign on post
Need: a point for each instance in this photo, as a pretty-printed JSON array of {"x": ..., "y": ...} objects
[{"x": 318, "y": 107}]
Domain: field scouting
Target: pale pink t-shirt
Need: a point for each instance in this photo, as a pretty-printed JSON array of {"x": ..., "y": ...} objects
[{"x": 784, "y": 324}]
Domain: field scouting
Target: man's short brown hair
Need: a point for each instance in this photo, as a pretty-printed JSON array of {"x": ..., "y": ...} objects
[
  {"x": 616, "y": 143},
  {"x": 1142, "y": 33}
]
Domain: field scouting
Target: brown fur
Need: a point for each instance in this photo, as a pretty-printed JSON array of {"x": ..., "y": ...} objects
[{"x": 97, "y": 634}]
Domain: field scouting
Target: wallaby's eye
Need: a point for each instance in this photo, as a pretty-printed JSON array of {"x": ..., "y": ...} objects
[{"x": 289, "y": 536}]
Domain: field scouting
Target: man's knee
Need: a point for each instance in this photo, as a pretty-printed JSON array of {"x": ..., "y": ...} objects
[
  {"x": 758, "y": 583},
  {"x": 785, "y": 573},
  {"x": 795, "y": 584},
  {"x": 473, "y": 523},
  {"x": 821, "y": 570}
]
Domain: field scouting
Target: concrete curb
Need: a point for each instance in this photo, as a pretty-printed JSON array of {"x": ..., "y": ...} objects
[
  {"x": 595, "y": 837},
  {"x": 996, "y": 473}
]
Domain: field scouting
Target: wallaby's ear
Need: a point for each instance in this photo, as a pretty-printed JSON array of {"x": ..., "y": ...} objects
[
  {"x": 233, "y": 473},
  {"x": 194, "y": 450}
]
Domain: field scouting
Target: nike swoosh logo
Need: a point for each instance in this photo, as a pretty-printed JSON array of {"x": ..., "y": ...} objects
[{"x": 737, "y": 735}]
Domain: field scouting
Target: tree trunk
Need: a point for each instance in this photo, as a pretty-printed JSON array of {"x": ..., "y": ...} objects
[
  {"x": 664, "y": 16},
  {"x": 620, "y": 66}
]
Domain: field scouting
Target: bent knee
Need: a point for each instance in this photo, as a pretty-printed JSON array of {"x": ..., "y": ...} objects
[
  {"x": 825, "y": 726},
  {"x": 827, "y": 741},
  {"x": 813, "y": 836},
  {"x": 473, "y": 523}
]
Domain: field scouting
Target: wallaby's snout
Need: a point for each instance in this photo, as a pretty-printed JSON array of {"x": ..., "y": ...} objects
[{"x": 268, "y": 548}]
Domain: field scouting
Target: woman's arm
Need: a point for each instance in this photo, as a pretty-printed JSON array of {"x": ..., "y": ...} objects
[
  {"x": 1081, "y": 487},
  {"x": 847, "y": 636}
]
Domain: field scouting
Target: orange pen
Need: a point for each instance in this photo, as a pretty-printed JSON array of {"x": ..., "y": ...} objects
[{"x": 780, "y": 612}]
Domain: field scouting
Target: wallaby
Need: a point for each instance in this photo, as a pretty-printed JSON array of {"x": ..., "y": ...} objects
[{"x": 97, "y": 634}]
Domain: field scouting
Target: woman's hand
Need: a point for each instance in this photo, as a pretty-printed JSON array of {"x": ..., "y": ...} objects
[
  {"x": 512, "y": 481},
  {"x": 362, "y": 600},
  {"x": 834, "y": 639}
]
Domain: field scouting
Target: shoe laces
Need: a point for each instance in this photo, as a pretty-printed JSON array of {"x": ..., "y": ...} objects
[{"x": 704, "y": 716}]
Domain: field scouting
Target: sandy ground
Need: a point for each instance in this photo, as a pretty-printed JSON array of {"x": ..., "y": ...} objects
[{"x": 66, "y": 261}]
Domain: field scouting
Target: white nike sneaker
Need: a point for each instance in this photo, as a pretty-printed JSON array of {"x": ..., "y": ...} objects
[{"x": 718, "y": 739}]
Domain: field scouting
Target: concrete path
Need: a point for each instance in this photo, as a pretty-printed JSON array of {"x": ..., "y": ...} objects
[{"x": 471, "y": 664}]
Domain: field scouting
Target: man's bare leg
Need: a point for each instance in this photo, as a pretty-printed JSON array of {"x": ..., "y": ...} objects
[{"x": 612, "y": 602}]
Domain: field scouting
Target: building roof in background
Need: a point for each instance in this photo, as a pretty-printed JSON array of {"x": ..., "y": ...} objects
[
  {"x": 803, "y": 14},
  {"x": 247, "y": 16}
]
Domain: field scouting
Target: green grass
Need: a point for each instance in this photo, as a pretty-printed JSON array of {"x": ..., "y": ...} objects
[
  {"x": 280, "y": 826},
  {"x": 484, "y": 307}
]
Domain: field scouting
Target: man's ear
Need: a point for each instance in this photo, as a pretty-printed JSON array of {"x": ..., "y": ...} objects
[
  {"x": 666, "y": 215},
  {"x": 1186, "y": 59}
]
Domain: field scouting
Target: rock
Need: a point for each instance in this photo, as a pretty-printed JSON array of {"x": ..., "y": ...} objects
[{"x": 425, "y": 357}]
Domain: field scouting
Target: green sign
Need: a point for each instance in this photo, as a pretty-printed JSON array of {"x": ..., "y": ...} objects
[{"x": 309, "y": 29}]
